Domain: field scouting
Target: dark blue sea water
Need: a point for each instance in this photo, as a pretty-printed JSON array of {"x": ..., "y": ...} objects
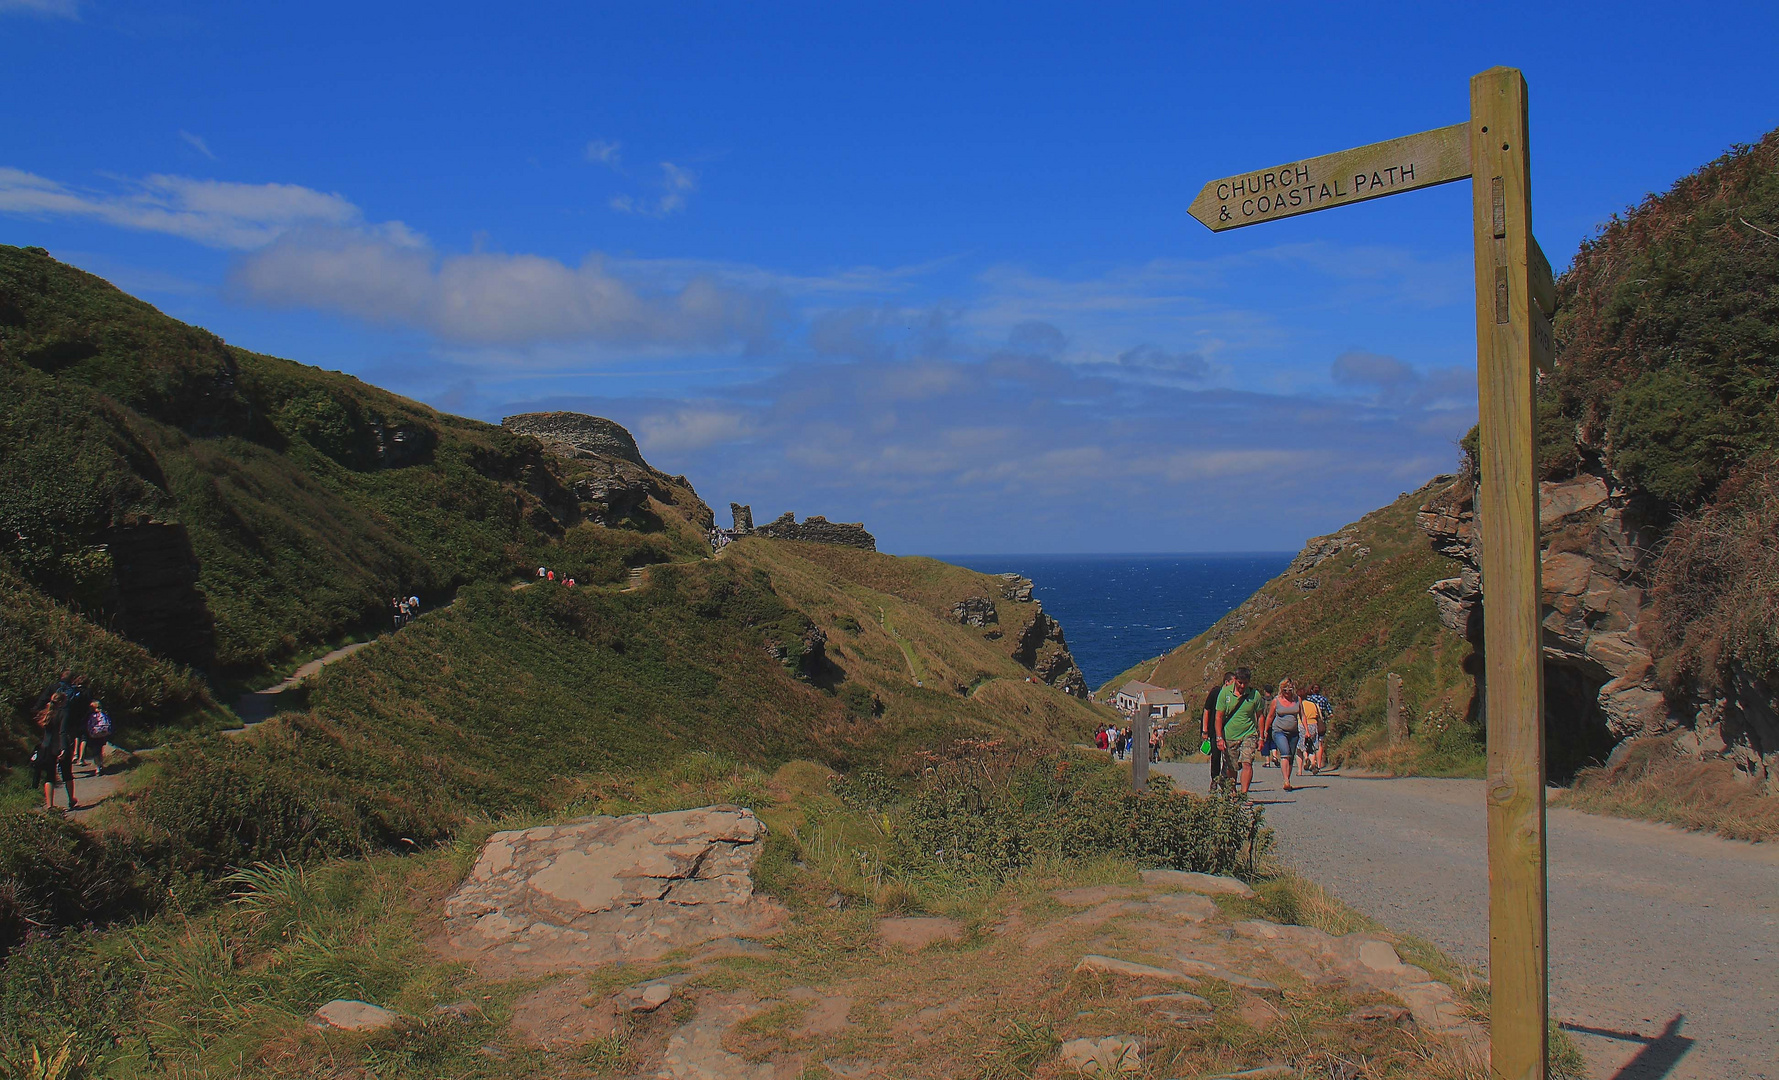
[{"x": 1119, "y": 609}]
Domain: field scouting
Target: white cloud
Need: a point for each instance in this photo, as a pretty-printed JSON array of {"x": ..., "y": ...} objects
[
  {"x": 55, "y": 9},
  {"x": 215, "y": 213},
  {"x": 196, "y": 142},
  {"x": 493, "y": 299},
  {"x": 604, "y": 152},
  {"x": 691, "y": 428},
  {"x": 676, "y": 183}
]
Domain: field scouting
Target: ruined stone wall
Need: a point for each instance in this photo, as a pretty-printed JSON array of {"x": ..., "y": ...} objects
[{"x": 816, "y": 529}]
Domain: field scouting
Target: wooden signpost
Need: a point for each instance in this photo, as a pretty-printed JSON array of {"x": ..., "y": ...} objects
[{"x": 1515, "y": 297}]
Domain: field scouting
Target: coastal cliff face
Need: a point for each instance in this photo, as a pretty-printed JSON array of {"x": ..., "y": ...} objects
[
  {"x": 1603, "y": 685},
  {"x": 1039, "y": 643}
]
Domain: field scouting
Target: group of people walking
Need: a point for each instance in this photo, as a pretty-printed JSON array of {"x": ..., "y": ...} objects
[
  {"x": 1280, "y": 728},
  {"x": 544, "y": 573},
  {"x": 406, "y": 608},
  {"x": 1117, "y": 742},
  {"x": 72, "y": 728}
]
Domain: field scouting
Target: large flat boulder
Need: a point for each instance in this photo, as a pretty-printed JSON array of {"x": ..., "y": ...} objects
[{"x": 608, "y": 889}]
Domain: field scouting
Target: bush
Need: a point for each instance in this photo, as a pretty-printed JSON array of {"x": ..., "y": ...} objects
[
  {"x": 1716, "y": 585},
  {"x": 995, "y": 814}
]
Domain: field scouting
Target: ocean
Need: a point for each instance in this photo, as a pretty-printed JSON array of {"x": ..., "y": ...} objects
[{"x": 1117, "y": 610}]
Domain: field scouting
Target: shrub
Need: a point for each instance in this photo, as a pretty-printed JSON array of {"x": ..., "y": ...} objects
[
  {"x": 1717, "y": 584},
  {"x": 994, "y": 815}
]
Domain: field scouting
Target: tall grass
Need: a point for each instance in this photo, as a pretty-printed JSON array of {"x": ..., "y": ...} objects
[{"x": 1655, "y": 782}]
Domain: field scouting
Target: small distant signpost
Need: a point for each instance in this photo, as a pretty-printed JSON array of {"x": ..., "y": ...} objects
[{"x": 1515, "y": 298}]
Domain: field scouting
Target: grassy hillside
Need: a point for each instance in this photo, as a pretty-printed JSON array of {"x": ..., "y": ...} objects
[
  {"x": 1368, "y": 614},
  {"x": 227, "y": 510}
]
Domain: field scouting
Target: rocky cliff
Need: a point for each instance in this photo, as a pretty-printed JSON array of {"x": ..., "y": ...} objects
[
  {"x": 1602, "y": 685},
  {"x": 1038, "y": 643}
]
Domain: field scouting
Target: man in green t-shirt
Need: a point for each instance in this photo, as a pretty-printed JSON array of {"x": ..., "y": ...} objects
[{"x": 1238, "y": 731}]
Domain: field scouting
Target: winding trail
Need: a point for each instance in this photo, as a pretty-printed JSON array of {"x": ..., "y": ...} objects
[
  {"x": 258, "y": 706},
  {"x": 1664, "y": 944}
]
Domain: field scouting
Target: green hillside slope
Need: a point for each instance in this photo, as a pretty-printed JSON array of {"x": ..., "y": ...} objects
[
  {"x": 226, "y": 510},
  {"x": 517, "y": 700},
  {"x": 1351, "y": 608}
]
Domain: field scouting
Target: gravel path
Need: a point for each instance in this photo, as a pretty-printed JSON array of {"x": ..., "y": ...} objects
[{"x": 1664, "y": 945}]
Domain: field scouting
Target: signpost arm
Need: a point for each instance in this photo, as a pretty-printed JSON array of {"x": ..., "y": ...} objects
[{"x": 1507, "y": 510}]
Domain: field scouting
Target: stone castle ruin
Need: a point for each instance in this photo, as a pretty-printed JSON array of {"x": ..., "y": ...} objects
[{"x": 814, "y": 529}]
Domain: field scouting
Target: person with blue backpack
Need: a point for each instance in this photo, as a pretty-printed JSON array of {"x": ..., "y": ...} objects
[{"x": 97, "y": 733}]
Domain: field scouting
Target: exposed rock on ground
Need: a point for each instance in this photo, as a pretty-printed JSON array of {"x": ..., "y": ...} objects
[
  {"x": 346, "y": 1015},
  {"x": 1105, "y": 1056},
  {"x": 1018, "y": 588},
  {"x": 606, "y": 889}
]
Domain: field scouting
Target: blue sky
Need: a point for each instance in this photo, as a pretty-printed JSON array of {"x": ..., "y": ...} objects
[{"x": 926, "y": 266}]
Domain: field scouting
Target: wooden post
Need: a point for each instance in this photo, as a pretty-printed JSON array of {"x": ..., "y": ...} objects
[
  {"x": 1507, "y": 511},
  {"x": 1139, "y": 749},
  {"x": 1393, "y": 709}
]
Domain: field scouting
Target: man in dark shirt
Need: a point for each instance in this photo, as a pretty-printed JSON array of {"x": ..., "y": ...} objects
[{"x": 1208, "y": 726}]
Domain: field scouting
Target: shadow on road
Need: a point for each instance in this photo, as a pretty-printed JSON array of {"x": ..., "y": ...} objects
[{"x": 1659, "y": 1054}]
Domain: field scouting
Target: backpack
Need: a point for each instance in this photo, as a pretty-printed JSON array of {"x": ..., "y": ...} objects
[{"x": 98, "y": 725}]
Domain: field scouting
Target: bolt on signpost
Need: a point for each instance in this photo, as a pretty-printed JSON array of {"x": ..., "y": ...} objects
[{"x": 1515, "y": 297}]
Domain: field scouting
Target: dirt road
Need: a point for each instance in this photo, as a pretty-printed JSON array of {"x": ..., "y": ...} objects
[{"x": 1664, "y": 945}]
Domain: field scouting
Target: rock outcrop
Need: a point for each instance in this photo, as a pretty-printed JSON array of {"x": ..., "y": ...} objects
[
  {"x": 577, "y": 435},
  {"x": 607, "y": 474},
  {"x": 1040, "y": 646},
  {"x": 977, "y": 611},
  {"x": 1601, "y": 685},
  {"x": 607, "y": 889},
  {"x": 816, "y": 529}
]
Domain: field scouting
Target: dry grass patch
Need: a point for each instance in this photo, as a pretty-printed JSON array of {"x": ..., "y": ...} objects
[{"x": 1655, "y": 782}]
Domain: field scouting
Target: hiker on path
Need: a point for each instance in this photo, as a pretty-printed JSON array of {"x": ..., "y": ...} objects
[
  {"x": 1324, "y": 717},
  {"x": 1271, "y": 756},
  {"x": 79, "y": 702},
  {"x": 54, "y": 757},
  {"x": 1312, "y": 737},
  {"x": 413, "y": 607},
  {"x": 1238, "y": 734},
  {"x": 97, "y": 733},
  {"x": 1155, "y": 745},
  {"x": 1208, "y": 728},
  {"x": 1283, "y": 724},
  {"x": 395, "y": 607}
]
